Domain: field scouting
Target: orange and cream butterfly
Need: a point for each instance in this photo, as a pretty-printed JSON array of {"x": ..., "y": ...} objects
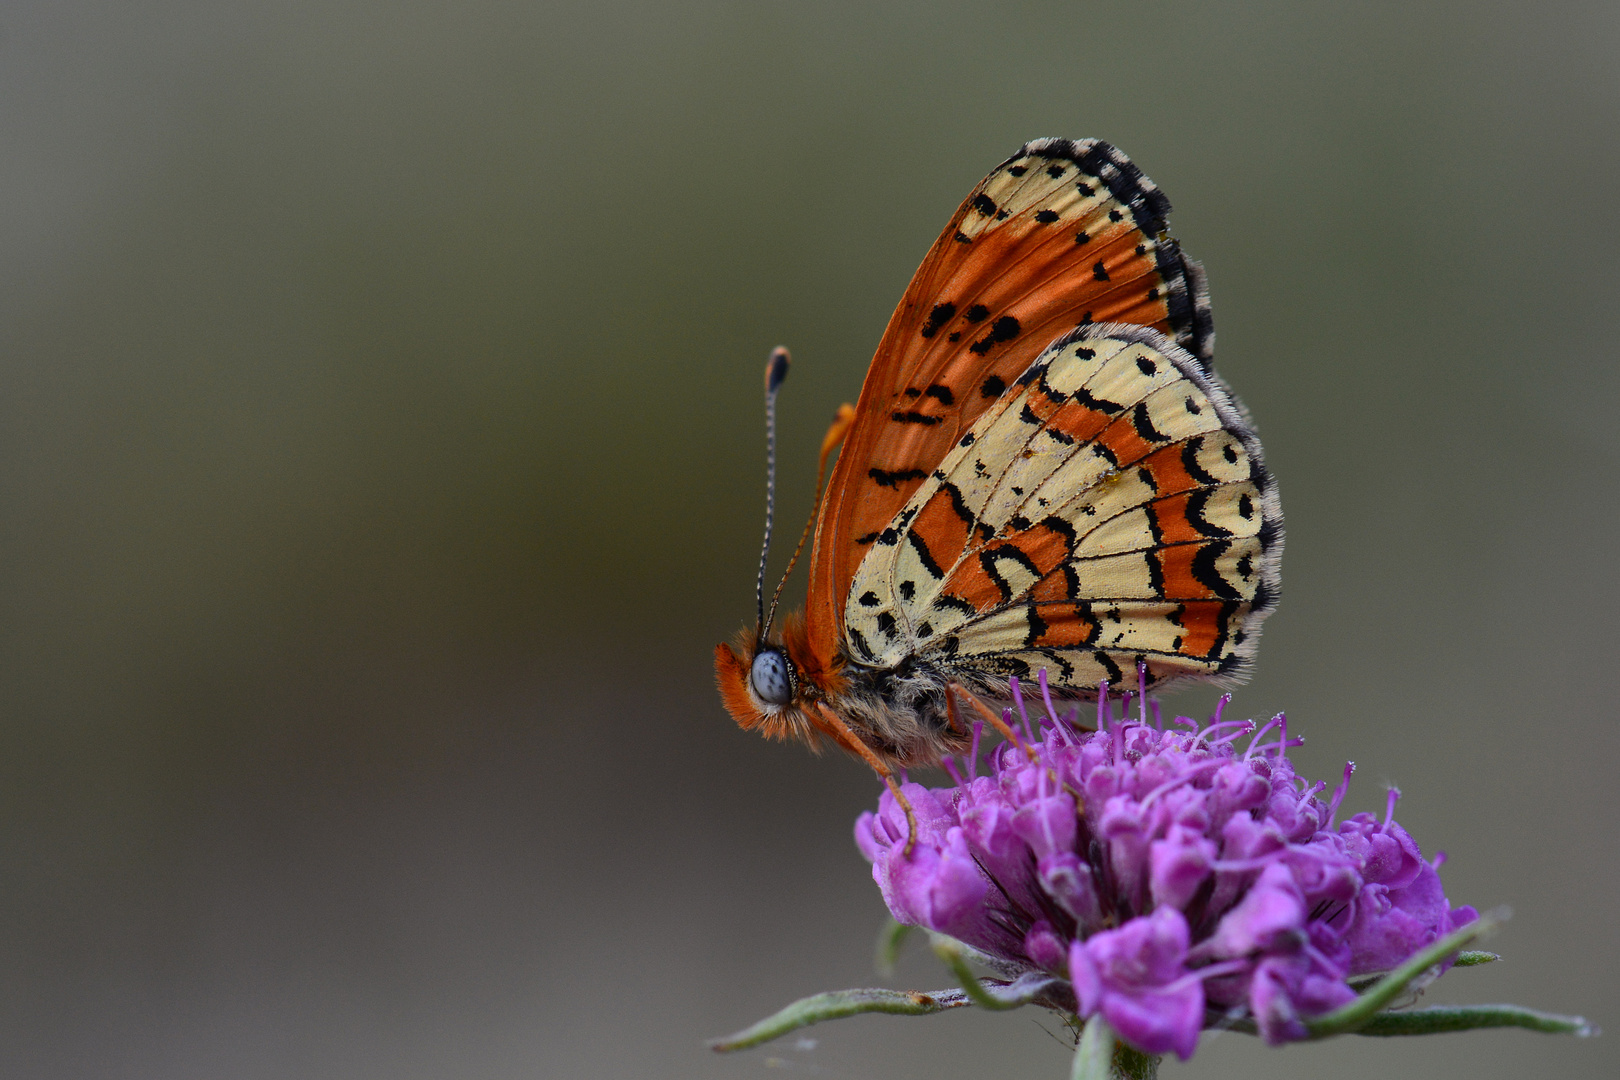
[{"x": 1042, "y": 473}]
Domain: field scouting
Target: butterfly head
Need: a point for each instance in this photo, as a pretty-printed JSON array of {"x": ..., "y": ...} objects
[{"x": 772, "y": 685}]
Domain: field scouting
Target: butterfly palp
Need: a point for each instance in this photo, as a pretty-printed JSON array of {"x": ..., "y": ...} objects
[{"x": 773, "y": 678}]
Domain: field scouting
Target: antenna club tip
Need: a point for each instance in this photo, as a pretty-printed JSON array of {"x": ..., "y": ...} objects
[{"x": 776, "y": 368}]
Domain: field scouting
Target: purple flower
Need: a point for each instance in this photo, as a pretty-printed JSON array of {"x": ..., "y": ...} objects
[{"x": 1174, "y": 880}]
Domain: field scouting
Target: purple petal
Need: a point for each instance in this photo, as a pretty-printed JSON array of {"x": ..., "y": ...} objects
[
  {"x": 1179, "y": 865},
  {"x": 1271, "y": 917},
  {"x": 1159, "y": 1021},
  {"x": 1046, "y": 824},
  {"x": 1069, "y": 882}
]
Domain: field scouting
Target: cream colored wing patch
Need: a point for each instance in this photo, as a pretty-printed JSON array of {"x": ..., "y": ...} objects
[{"x": 1112, "y": 506}]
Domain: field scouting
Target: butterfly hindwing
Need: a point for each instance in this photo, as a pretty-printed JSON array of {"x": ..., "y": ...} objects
[
  {"x": 1112, "y": 505},
  {"x": 1063, "y": 234}
]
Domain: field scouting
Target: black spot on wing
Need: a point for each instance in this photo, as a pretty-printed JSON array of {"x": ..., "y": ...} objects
[
  {"x": 941, "y": 394},
  {"x": 1064, "y": 528},
  {"x": 1208, "y": 575},
  {"x": 937, "y": 318},
  {"x": 1036, "y": 626},
  {"x": 857, "y": 639},
  {"x": 984, "y": 204},
  {"x": 1005, "y": 328},
  {"x": 958, "y": 506},
  {"x": 912, "y": 416},
  {"x": 924, "y": 556},
  {"x": 908, "y": 591},
  {"x": 976, "y": 314},
  {"x": 1099, "y": 272},
  {"x": 1189, "y": 461},
  {"x": 869, "y": 599},
  {"x": 1142, "y": 421},
  {"x": 1103, "y": 405},
  {"x": 991, "y": 558},
  {"x": 1155, "y": 569},
  {"x": 1046, "y": 217},
  {"x": 892, "y": 478},
  {"x": 1269, "y": 533},
  {"x": 993, "y": 387},
  {"x": 1223, "y": 628},
  {"x": 1197, "y": 504},
  {"x": 885, "y": 624}
]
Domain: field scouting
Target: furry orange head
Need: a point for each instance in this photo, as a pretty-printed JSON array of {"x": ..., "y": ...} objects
[{"x": 777, "y": 686}]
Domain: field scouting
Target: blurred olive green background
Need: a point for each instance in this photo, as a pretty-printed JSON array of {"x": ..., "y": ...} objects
[{"x": 380, "y": 456}]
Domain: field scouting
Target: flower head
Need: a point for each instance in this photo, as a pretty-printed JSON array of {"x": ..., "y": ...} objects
[{"x": 1170, "y": 877}]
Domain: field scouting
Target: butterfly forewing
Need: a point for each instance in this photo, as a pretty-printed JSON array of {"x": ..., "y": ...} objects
[
  {"x": 1061, "y": 235},
  {"x": 1111, "y": 506}
]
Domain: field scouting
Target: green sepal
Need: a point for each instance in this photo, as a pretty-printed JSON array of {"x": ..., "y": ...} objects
[
  {"x": 1475, "y": 957},
  {"x": 1094, "y": 1056},
  {"x": 1436, "y": 1019},
  {"x": 1353, "y": 1014},
  {"x": 987, "y": 995},
  {"x": 891, "y": 939}
]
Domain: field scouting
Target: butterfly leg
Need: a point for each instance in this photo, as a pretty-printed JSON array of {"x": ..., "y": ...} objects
[
  {"x": 1008, "y": 733},
  {"x": 993, "y": 718},
  {"x": 954, "y": 715},
  {"x": 854, "y": 742}
]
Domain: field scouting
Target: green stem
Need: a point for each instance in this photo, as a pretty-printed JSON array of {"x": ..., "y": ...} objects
[{"x": 837, "y": 1005}]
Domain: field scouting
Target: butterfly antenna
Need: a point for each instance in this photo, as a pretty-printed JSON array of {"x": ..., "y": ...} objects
[
  {"x": 776, "y": 369},
  {"x": 835, "y": 435}
]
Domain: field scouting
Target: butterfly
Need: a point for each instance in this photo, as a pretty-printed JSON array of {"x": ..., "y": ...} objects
[{"x": 1042, "y": 474}]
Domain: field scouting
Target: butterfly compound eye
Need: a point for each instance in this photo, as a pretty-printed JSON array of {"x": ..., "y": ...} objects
[{"x": 772, "y": 676}]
